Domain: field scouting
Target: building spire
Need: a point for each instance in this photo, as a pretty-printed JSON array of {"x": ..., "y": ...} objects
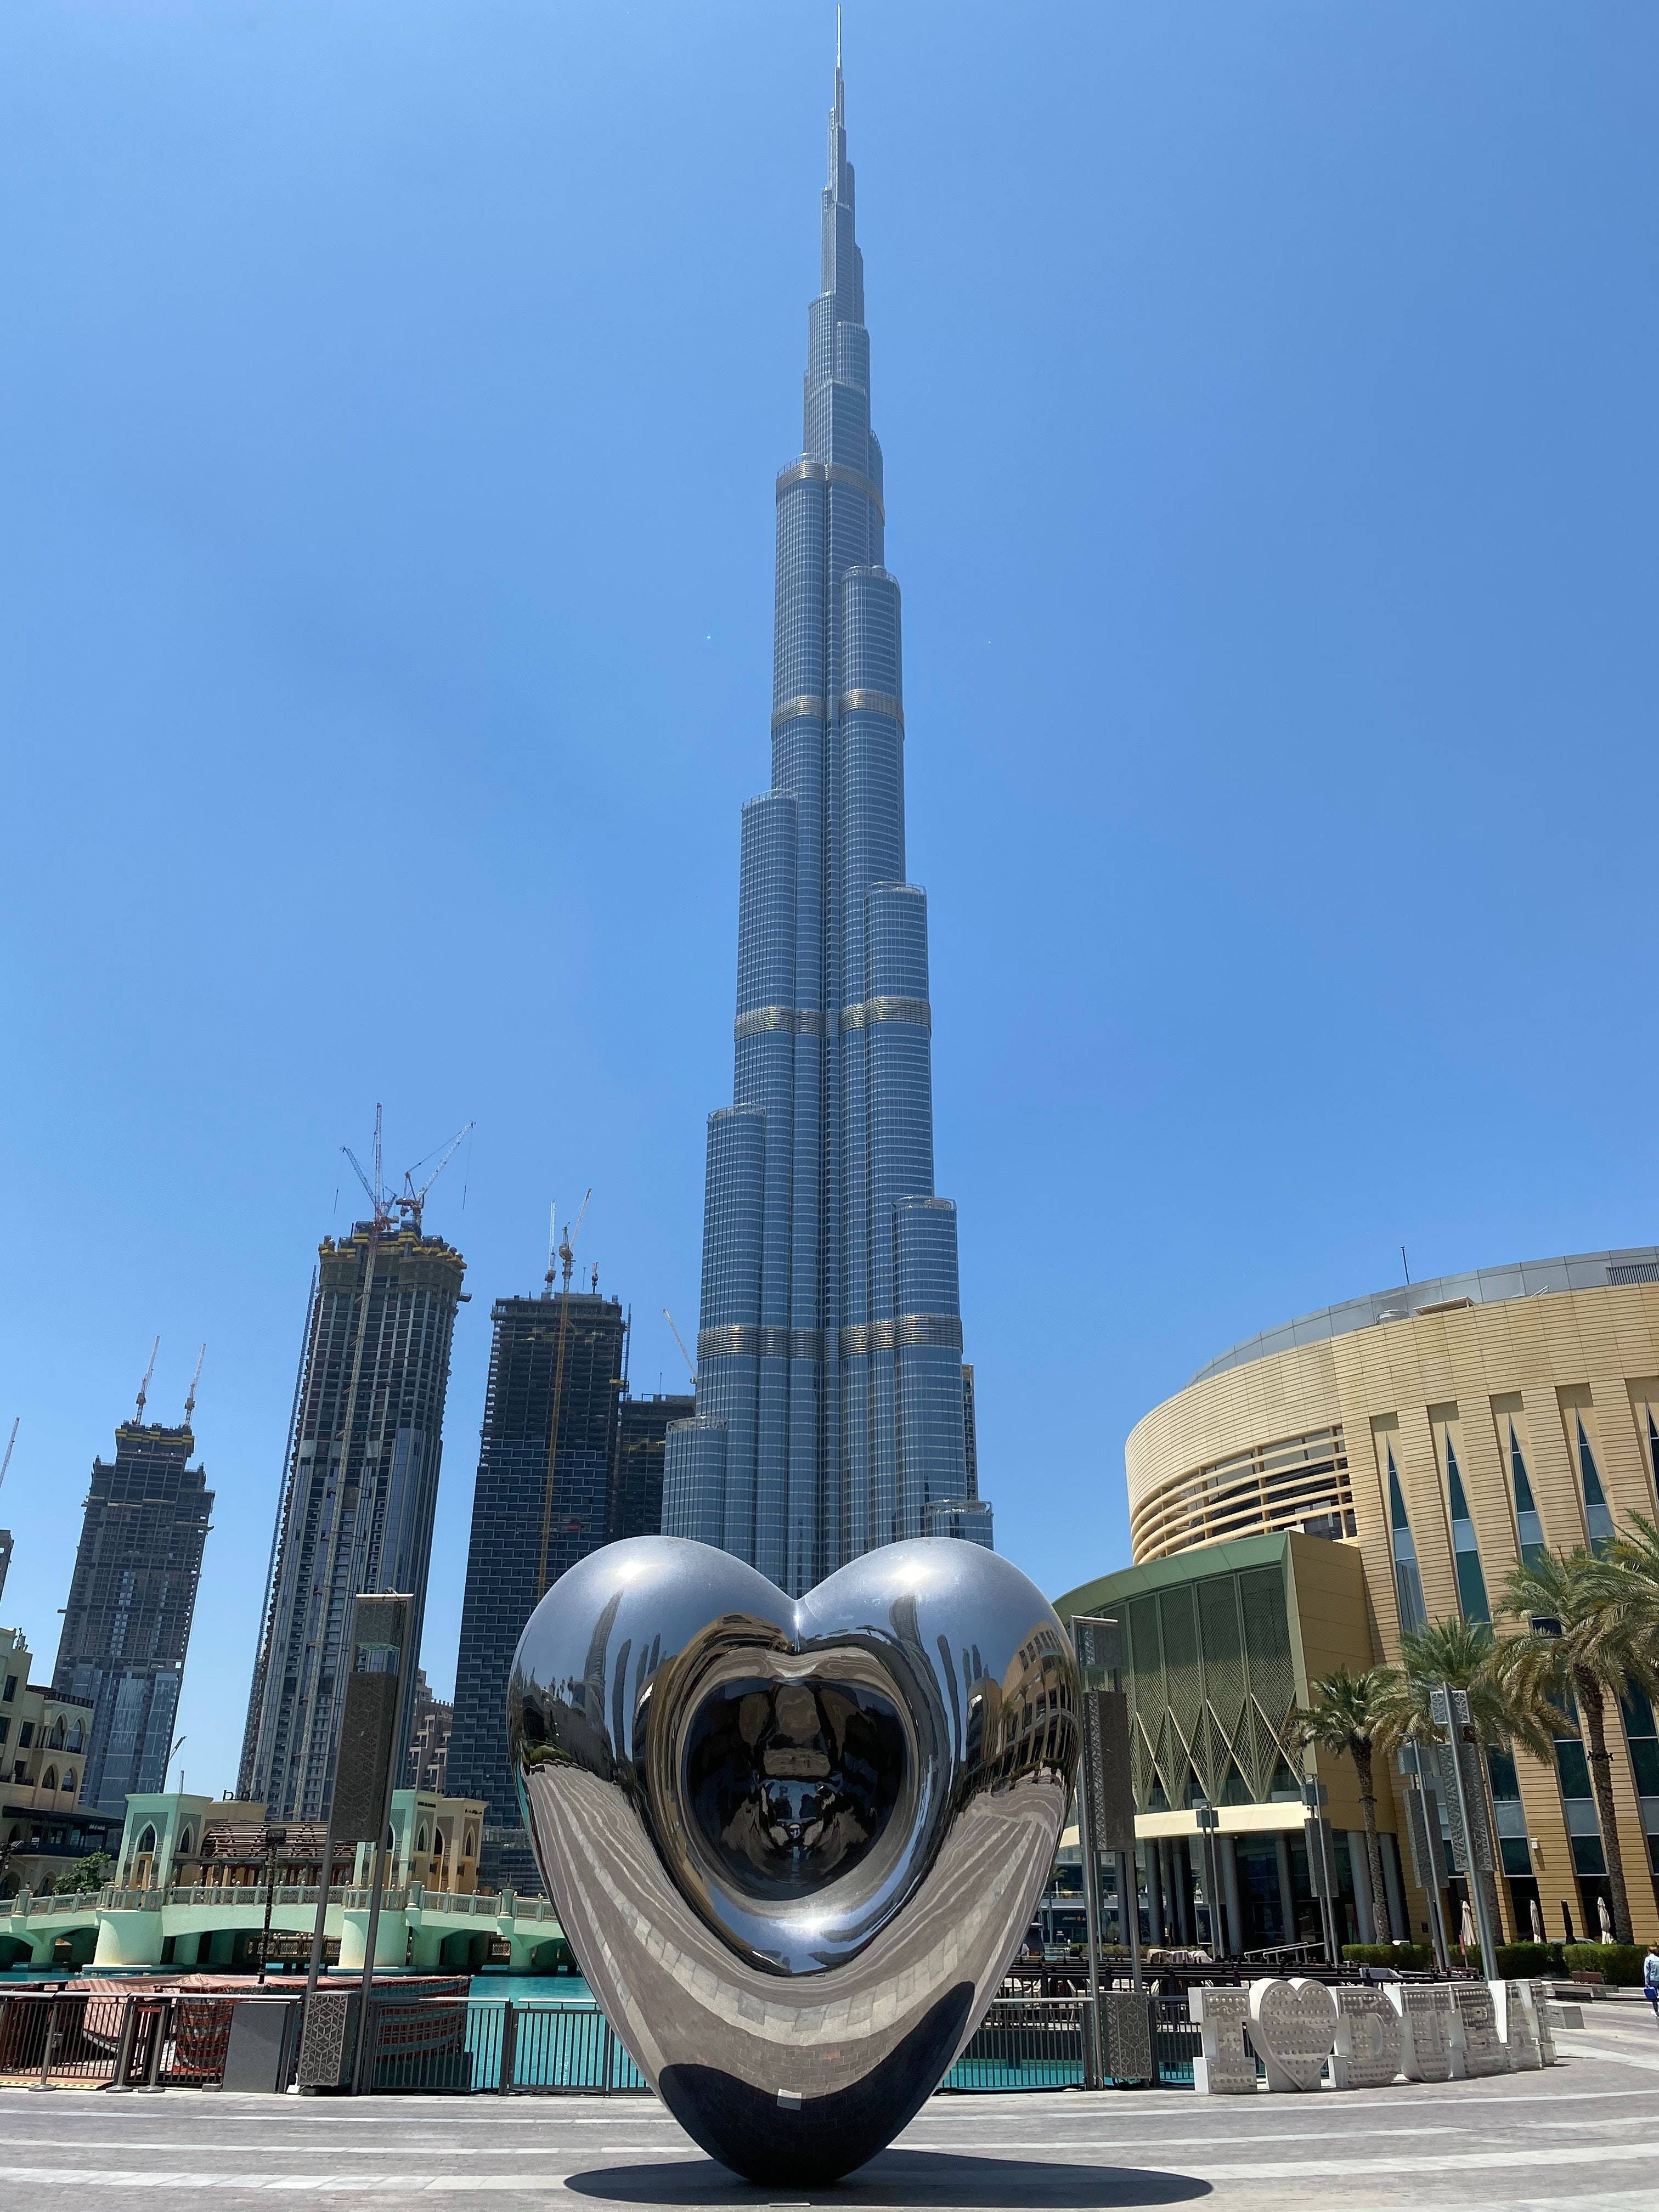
[{"x": 838, "y": 169}]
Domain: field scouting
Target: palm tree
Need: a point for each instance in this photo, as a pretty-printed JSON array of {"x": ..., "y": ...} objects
[
  {"x": 1593, "y": 1635},
  {"x": 1637, "y": 1550},
  {"x": 1343, "y": 1718},
  {"x": 1464, "y": 1654}
]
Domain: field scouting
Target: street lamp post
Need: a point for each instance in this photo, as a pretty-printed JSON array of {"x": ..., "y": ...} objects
[
  {"x": 275, "y": 1839},
  {"x": 1321, "y": 1870},
  {"x": 1209, "y": 1820},
  {"x": 1450, "y": 1709}
]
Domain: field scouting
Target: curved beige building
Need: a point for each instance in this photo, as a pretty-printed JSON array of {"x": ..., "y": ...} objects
[{"x": 1444, "y": 1429}]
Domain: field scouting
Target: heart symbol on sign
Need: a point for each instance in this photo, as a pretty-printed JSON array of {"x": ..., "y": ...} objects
[
  {"x": 1292, "y": 2025},
  {"x": 793, "y": 1842}
]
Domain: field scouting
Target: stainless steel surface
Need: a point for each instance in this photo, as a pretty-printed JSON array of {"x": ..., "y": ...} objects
[{"x": 794, "y": 1843}]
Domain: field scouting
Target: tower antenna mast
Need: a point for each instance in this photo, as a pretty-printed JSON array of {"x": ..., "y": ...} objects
[{"x": 567, "y": 1259}]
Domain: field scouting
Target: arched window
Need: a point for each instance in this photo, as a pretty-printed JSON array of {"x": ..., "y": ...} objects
[
  {"x": 49, "y": 1779},
  {"x": 75, "y": 1738},
  {"x": 470, "y": 1847},
  {"x": 147, "y": 1843},
  {"x": 69, "y": 1777},
  {"x": 184, "y": 1845},
  {"x": 58, "y": 1735},
  {"x": 420, "y": 1841}
]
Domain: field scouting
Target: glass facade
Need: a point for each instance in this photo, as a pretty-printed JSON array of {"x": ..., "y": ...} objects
[
  {"x": 126, "y": 1626},
  {"x": 1529, "y": 1528},
  {"x": 1408, "y": 1580},
  {"x": 1597, "y": 1519},
  {"x": 358, "y": 1499},
  {"x": 1465, "y": 1551},
  {"x": 831, "y": 1400},
  {"x": 530, "y": 1523}
]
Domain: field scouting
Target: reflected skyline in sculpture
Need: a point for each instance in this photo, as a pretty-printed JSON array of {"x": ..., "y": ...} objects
[{"x": 794, "y": 1843}]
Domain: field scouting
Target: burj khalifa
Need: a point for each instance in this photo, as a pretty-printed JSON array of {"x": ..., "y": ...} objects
[{"x": 833, "y": 1410}]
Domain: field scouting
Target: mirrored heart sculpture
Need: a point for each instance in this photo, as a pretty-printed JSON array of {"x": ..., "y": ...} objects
[{"x": 794, "y": 1843}]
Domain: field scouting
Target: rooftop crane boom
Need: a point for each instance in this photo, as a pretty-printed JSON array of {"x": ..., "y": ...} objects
[
  {"x": 190, "y": 1402},
  {"x": 409, "y": 1203},
  {"x": 144, "y": 1388},
  {"x": 680, "y": 1340},
  {"x": 11, "y": 1441},
  {"x": 412, "y": 1200}
]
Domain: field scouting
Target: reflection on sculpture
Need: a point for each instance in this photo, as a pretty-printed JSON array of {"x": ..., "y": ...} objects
[{"x": 794, "y": 1843}]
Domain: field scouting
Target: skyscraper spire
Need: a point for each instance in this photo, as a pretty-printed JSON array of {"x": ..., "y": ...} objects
[{"x": 829, "y": 1379}]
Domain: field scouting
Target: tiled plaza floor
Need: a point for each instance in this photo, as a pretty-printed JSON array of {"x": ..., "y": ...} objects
[{"x": 1583, "y": 2137}]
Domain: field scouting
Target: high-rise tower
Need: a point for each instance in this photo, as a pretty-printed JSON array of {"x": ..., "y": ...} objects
[
  {"x": 359, "y": 1495},
  {"x": 530, "y": 1521},
  {"x": 126, "y": 1626},
  {"x": 830, "y": 1388}
]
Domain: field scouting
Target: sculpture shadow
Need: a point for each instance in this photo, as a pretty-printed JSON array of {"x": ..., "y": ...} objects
[{"x": 904, "y": 2179}]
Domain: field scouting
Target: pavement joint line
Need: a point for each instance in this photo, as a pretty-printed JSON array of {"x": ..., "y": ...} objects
[
  {"x": 417, "y": 2184},
  {"x": 533, "y": 2111},
  {"x": 544, "y": 2149},
  {"x": 1317, "y": 2169},
  {"x": 1053, "y": 2156}
]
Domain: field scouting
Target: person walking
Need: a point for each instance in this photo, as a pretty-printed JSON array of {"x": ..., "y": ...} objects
[{"x": 1650, "y": 1977}]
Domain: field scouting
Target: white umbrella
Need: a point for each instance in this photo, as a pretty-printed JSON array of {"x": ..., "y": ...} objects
[
  {"x": 1466, "y": 1935},
  {"x": 1537, "y": 1922},
  {"x": 1605, "y": 1919}
]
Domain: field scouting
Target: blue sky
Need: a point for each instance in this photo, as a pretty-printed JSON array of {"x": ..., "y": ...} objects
[{"x": 392, "y": 394}]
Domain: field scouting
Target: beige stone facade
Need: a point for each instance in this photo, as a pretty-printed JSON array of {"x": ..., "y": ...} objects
[{"x": 1558, "y": 1390}]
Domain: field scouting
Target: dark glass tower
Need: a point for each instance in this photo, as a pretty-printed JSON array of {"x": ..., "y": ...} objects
[
  {"x": 359, "y": 1495},
  {"x": 642, "y": 1428},
  {"x": 829, "y": 1390},
  {"x": 526, "y": 1531},
  {"x": 126, "y": 1626}
]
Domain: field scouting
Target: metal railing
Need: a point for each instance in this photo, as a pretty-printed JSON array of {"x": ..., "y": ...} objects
[
  {"x": 1178, "y": 2039},
  {"x": 461, "y": 1904},
  {"x": 462, "y": 2046},
  {"x": 457, "y": 2045},
  {"x": 1025, "y": 2043},
  {"x": 149, "y": 2039}
]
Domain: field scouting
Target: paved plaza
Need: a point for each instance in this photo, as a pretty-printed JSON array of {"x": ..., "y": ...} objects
[{"x": 1585, "y": 2134}]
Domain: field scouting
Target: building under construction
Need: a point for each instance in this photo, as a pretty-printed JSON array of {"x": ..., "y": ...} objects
[
  {"x": 636, "y": 1479},
  {"x": 359, "y": 1494},
  {"x": 540, "y": 1504},
  {"x": 126, "y": 1626}
]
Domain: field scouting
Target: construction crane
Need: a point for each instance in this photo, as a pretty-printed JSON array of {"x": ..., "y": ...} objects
[
  {"x": 376, "y": 1193},
  {"x": 409, "y": 1203},
  {"x": 144, "y": 1388},
  {"x": 680, "y": 1340},
  {"x": 567, "y": 1255},
  {"x": 11, "y": 1441},
  {"x": 410, "y": 1200},
  {"x": 189, "y": 1400}
]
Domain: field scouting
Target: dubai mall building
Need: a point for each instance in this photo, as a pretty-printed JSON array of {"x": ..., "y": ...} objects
[{"x": 1319, "y": 1489}]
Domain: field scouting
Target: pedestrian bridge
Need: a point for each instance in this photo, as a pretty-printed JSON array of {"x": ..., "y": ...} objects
[{"x": 207, "y": 1926}]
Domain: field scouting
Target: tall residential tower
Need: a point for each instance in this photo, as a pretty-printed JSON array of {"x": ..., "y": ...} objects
[
  {"x": 126, "y": 1626},
  {"x": 830, "y": 1381},
  {"x": 359, "y": 1493},
  {"x": 531, "y": 1520}
]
